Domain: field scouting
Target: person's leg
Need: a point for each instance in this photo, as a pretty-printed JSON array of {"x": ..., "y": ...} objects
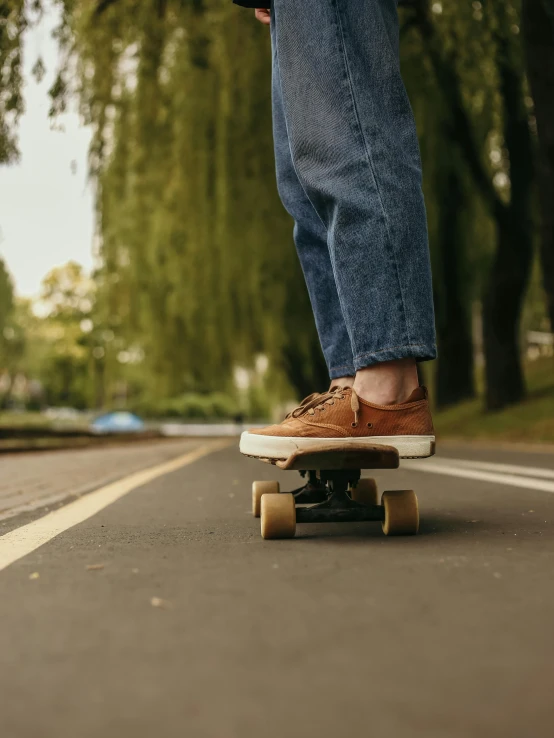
[
  {"x": 355, "y": 151},
  {"x": 310, "y": 237}
]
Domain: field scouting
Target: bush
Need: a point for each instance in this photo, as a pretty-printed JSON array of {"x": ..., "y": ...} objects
[{"x": 191, "y": 406}]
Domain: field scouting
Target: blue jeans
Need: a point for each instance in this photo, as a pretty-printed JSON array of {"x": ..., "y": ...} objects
[{"x": 349, "y": 172}]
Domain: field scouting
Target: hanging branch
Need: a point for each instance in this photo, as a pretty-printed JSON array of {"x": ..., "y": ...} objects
[{"x": 450, "y": 84}]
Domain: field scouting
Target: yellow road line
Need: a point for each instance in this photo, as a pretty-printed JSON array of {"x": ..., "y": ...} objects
[{"x": 22, "y": 541}]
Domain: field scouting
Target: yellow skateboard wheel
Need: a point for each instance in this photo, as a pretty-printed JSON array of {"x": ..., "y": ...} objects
[
  {"x": 401, "y": 513},
  {"x": 278, "y": 516},
  {"x": 259, "y": 489}
]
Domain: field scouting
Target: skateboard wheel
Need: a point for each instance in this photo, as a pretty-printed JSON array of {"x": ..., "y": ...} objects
[
  {"x": 365, "y": 492},
  {"x": 278, "y": 516},
  {"x": 259, "y": 489},
  {"x": 401, "y": 513}
]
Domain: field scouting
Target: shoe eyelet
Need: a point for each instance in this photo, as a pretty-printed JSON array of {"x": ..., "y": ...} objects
[
  {"x": 354, "y": 425},
  {"x": 370, "y": 425}
]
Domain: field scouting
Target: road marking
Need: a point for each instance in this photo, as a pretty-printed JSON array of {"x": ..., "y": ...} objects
[
  {"x": 526, "y": 471},
  {"x": 22, "y": 541},
  {"x": 457, "y": 469}
]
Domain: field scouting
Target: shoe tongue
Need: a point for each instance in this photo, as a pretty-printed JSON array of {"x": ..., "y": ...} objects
[{"x": 418, "y": 394}]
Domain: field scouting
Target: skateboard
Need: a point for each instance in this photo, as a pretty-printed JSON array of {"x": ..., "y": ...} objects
[{"x": 334, "y": 492}]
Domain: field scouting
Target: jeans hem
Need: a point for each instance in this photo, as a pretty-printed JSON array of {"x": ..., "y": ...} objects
[
  {"x": 345, "y": 370},
  {"x": 420, "y": 352}
]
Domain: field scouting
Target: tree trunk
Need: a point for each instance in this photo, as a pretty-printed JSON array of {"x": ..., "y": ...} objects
[
  {"x": 538, "y": 34},
  {"x": 304, "y": 365},
  {"x": 502, "y": 302},
  {"x": 509, "y": 275},
  {"x": 454, "y": 377},
  {"x": 511, "y": 267},
  {"x": 316, "y": 379}
]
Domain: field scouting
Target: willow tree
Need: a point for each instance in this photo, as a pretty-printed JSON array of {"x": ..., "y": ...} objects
[
  {"x": 198, "y": 264},
  {"x": 12, "y": 24}
]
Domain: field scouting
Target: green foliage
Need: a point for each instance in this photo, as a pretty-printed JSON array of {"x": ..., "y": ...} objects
[
  {"x": 6, "y": 308},
  {"x": 197, "y": 273},
  {"x": 191, "y": 406},
  {"x": 47, "y": 343},
  {"x": 198, "y": 263},
  {"x": 15, "y": 17}
]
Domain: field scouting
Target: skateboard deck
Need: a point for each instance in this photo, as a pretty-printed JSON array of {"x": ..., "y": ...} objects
[
  {"x": 335, "y": 486},
  {"x": 350, "y": 456}
]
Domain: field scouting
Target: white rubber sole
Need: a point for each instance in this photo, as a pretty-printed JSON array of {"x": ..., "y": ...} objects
[{"x": 281, "y": 447}]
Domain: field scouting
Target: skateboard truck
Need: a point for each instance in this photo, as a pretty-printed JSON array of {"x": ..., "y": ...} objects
[
  {"x": 335, "y": 485},
  {"x": 339, "y": 507},
  {"x": 314, "y": 490}
]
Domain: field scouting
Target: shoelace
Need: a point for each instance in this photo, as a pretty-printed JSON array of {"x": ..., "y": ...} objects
[
  {"x": 300, "y": 409},
  {"x": 318, "y": 401},
  {"x": 302, "y": 405}
]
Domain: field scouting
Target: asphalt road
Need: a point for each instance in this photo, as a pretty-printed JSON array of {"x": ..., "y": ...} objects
[{"x": 189, "y": 624}]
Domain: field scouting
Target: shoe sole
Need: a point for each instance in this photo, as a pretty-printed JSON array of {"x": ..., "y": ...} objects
[{"x": 281, "y": 447}]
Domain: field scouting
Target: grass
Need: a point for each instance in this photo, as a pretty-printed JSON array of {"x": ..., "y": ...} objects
[
  {"x": 24, "y": 420},
  {"x": 531, "y": 421}
]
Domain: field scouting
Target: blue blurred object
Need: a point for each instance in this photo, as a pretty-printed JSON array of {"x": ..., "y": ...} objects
[{"x": 118, "y": 422}]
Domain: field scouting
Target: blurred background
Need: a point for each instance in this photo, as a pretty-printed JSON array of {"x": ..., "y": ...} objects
[{"x": 147, "y": 264}]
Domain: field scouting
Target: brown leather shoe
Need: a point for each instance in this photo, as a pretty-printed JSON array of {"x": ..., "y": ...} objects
[{"x": 340, "y": 416}]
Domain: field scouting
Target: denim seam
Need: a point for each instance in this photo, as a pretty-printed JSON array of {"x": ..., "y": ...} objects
[
  {"x": 367, "y": 354},
  {"x": 390, "y": 348},
  {"x": 341, "y": 367},
  {"x": 288, "y": 134},
  {"x": 371, "y": 165},
  {"x": 341, "y": 301}
]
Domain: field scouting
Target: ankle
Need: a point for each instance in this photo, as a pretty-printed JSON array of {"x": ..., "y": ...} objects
[{"x": 387, "y": 383}]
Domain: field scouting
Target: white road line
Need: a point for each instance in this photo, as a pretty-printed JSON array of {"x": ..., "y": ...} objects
[
  {"x": 22, "y": 541},
  {"x": 511, "y": 480},
  {"x": 526, "y": 471}
]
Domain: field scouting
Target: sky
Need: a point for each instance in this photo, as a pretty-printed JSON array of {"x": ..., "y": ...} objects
[{"x": 46, "y": 203}]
